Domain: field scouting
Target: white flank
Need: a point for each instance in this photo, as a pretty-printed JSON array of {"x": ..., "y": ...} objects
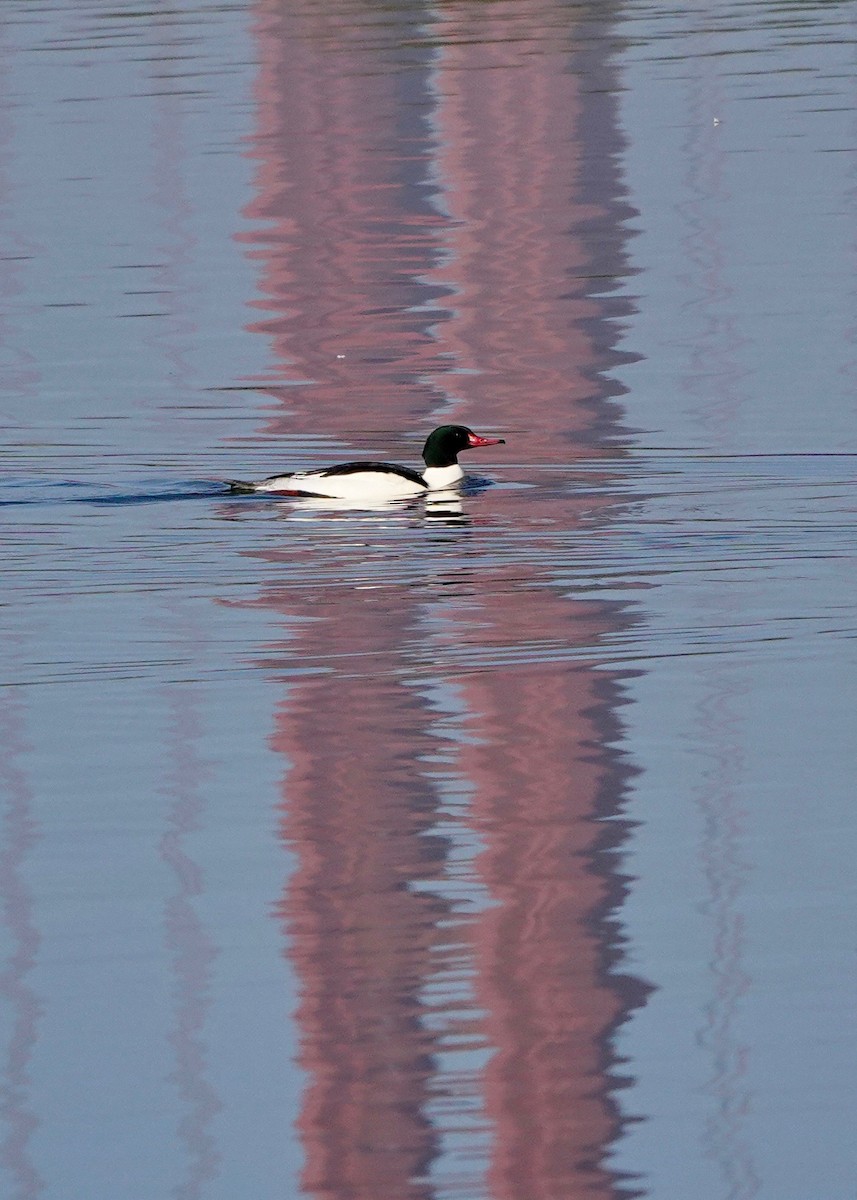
[{"x": 358, "y": 485}]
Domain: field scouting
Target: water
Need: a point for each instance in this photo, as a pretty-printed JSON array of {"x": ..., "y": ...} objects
[{"x": 497, "y": 848}]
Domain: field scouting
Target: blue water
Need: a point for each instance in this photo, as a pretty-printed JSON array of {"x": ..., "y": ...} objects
[{"x": 498, "y": 848}]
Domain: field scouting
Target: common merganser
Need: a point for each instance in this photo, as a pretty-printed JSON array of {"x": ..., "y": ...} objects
[{"x": 379, "y": 480}]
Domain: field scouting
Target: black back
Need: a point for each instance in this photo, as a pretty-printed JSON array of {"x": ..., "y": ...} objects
[{"x": 353, "y": 468}]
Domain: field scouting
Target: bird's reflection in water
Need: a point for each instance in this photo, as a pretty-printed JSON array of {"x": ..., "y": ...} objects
[
  {"x": 446, "y": 507},
  {"x": 443, "y": 506}
]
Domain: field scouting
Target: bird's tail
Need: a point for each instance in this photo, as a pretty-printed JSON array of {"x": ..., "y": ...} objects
[{"x": 240, "y": 485}]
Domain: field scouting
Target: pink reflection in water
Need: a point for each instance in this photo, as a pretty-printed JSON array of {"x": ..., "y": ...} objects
[
  {"x": 451, "y": 248},
  {"x": 20, "y": 835},
  {"x": 191, "y": 951}
]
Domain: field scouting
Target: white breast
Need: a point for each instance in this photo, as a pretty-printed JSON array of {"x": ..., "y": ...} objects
[{"x": 442, "y": 477}]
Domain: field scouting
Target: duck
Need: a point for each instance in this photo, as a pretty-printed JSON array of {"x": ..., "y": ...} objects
[{"x": 380, "y": 480}]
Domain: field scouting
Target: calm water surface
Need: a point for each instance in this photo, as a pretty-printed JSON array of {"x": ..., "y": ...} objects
[{"x": 494, "y": 849}]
